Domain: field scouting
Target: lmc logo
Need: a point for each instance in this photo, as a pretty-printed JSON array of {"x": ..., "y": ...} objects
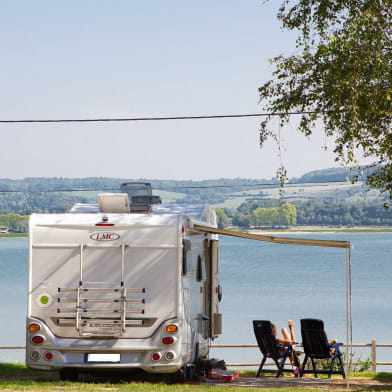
[{"x": 104, "y": 236}]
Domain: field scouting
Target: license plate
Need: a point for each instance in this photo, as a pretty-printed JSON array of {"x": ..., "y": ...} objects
[{"x": 108, "y": 358}]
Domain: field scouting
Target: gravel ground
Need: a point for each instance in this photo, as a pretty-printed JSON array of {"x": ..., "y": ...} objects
[{"x": 353, "y": 384}]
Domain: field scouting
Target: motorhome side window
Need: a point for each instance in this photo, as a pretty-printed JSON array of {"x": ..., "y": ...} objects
[
  {"x": 186, "y": 247},
  {"x": 199, "y": 269}
]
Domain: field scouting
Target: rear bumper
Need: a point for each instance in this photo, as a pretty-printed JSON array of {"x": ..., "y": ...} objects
[
  {"x": 55, "y": 353},
  {"x": 147, "y": 367}
]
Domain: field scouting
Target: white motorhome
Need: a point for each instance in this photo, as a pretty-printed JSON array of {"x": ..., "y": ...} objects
[{"x": 124, "y": 284}]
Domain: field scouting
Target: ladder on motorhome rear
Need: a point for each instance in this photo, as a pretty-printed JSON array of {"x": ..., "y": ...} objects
[{"x": 100, "y": 308}]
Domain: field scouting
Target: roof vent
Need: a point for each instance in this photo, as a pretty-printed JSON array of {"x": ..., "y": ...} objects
[{"x": 113, "y": 202}]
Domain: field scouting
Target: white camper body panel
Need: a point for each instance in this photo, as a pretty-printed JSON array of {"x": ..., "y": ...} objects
[{"x": 103, "y": 288}]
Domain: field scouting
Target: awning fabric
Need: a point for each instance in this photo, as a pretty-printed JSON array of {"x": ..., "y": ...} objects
[{"x": 276, "y": 240}]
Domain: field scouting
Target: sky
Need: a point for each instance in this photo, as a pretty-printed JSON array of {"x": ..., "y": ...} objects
[{"x": 124, "y": 59}]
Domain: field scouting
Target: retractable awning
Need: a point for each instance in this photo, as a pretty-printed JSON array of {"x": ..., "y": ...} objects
[
  {"x": 276, "y": 240},
  {"x": 306, "y": 242}
]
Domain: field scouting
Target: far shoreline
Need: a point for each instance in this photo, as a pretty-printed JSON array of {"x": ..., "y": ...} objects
[
  {"x": 321, "y": 230},
  {"x": 288, "y": 230},
  {"x": 13, "y": 235}
]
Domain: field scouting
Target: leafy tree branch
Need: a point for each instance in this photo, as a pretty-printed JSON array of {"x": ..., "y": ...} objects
[{"x": 341, "y": 76}]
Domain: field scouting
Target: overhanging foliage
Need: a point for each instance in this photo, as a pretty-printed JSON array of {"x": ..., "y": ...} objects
[{"x": 341, "y": 76}]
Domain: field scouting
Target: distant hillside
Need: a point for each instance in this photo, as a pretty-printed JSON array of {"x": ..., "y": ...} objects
[
  {"x": 24, "y": 196},
  {"x": 28, "y": 195},
  {"x": 332, "y": 175}
]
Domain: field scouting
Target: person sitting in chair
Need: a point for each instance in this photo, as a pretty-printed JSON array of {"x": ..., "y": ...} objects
[
  {"x": 286, "y": 337},
  {"x": 289, "y": 339}
]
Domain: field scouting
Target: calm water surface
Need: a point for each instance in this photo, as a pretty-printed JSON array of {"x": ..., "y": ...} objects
[{"x": 260, "y": 281}]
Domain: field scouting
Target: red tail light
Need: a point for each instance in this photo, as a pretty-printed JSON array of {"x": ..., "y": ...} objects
[
  {"x": 156, "y": 356},
  {"x": 37, "y": 339},
  {"x": 168, "y": 340},
  {"x": 48, "y": 356}
]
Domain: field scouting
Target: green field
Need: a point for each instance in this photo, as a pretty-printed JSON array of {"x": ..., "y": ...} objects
[{"x": 300, "y": 192}]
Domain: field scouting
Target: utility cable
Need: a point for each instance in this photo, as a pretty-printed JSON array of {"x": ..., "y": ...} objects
[{"x": 155, "y": 118}]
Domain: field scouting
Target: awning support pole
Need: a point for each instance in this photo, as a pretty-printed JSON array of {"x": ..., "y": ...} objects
[{"x": 349, "y": 321}]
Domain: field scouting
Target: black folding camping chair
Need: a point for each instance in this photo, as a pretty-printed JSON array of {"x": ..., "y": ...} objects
[
  {"x": 270, "y": 348},
  {"x": 316, "y": 347}
]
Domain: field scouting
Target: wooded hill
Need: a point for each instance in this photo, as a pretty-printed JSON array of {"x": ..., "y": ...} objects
[{"x": 326, "y": 193}]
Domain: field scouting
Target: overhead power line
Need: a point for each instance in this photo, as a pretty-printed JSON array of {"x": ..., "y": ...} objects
[{"x": 154, "y": 118}]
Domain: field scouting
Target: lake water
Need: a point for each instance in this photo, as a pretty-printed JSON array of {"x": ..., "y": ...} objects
[{"x": 260, "y": 281}]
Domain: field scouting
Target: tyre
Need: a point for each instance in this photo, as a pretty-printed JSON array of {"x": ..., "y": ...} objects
[
  {"x": 204, "y": 365},
  {"x": 181, "y": 376}
]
